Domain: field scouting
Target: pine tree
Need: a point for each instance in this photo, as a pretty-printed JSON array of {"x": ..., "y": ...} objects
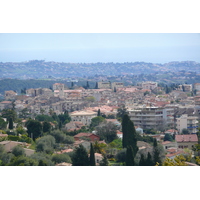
[
  {"x": 92, "y": 156},
  {"x": 10, "y": 126},
  {"x": 80, "y": 157},
  {"x": 129, "y": 156}
]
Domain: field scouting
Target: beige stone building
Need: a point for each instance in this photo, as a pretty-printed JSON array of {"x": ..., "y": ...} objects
[{"x": 83, "y": 116}]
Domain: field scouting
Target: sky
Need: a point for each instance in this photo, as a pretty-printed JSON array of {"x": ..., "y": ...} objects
[{"x": 100, "y": 47}]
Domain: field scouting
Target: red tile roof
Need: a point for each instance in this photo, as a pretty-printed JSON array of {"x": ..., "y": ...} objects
[{"x": 186, "y": 138}]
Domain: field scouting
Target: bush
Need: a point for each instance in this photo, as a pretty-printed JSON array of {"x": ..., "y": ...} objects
[
  {"x": 59, "y": 158},
  {"x": 13, "y": 138},
  {"x": 18, "y": 151}
]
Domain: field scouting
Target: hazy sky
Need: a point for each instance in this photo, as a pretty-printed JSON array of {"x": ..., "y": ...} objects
[{"x": 100, "y": 47}]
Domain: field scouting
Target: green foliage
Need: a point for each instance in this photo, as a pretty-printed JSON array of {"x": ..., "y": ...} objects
[
  {"x": 25, "y": 138},
  {"x": 18, "y": 151},
  {"x": 23, "y": 161},
  {"x": 59, "y": 158},
  {"x": 168, "y": 137},
  {"x": 64, "y": 118},
  {"x": 129, "y": 134},
  {"x": 156, "y": 153},
  {"x": 80, "y": 157},
  {"x": 10, "y": 125},
  {"x": 20, "y": 130},
  {"x": 42, "y": 159},
  {"x": 60, "y": 137},
  {"x": 121, "y": 156},
  {"x": 45, "y": 144},
  {"x": 129, "y": 156},
  {"x": 34, "y": 128},
  {"x": 96, "y": 121},
  {"x": 121, "y": 112},
  {"x": 3, "y": 124},
  {"x": 46, "y": 127},
  {"x": 13, "y": 138},
  {"x": 107, "y": 132},
  {"x": 185, "y": 131},
  {"x": 117, "y": 143},
  {"x": 92, "y": 156},
  {"x": 43, "y": 118},
  {"x": 9, "y": 113},
  {"x": 104, "y": 161}
]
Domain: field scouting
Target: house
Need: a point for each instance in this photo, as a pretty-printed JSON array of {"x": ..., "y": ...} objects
[
  {"x": 5, "y": 105},
  {"x": 86, "y": 144},
  {"x": 9, "y": 145},
  {"x": 71, "y": 126},
  {"x": 186, "y": 141},
  {"x": 89, "y": 136},
  {"x": 83, "y": 116},
  {"x": 169, "y": 144},
  {"x": 10, "y": 94}
]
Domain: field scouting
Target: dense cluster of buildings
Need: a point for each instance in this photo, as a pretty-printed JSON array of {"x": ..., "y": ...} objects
[{"x": 149, "y": 107}]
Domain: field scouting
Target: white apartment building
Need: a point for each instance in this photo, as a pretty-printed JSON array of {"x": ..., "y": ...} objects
[
  {"x": 83, "y": 116},
  {"x": 152, "y": 117},
  {"x": 187, "y": 122}
]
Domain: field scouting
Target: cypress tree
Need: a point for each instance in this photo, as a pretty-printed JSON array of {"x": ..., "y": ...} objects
[
  {"x": 125, "y": 121},
  {"x": 99, "y": 113},
  {"x": 129, "y": 134},
  {"x": 96, "y": 86},
  {"x": 156, "y": 153},
  {"x": 142, "y": 160},
  {"x": 92, "y": 156},
  {"x": 149, "y": 161},
  {"x": 10, "y": 126},
  {"x": 129, "y": 156}
]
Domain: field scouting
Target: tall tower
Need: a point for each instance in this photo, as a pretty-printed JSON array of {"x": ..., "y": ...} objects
[{"x": 60, "y": 87}]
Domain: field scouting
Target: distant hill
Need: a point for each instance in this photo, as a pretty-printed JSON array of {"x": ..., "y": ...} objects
[{"x": 40, "y": 69}]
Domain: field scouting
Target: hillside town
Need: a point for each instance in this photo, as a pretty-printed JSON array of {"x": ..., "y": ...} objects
[{"x": 167, "y": 117}]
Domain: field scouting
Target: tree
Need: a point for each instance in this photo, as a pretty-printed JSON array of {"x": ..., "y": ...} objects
[
  {"x": 99, "y": 113},
  {"x": 185, "y": 131},
  {"x": 46, "y": 127},
  {"x": 64, "y": 118},
  {"x": 3, "y": 124},
  {"x": 107, "y": 131},
  {"x": 96, "y": 121},
  {"x": 149, "y": 161},
  {"x": 92, "y": 156},
  {"x": 129, "y": 156},
  {"x": 59, "y": 158},
  {"x": 23, "y": 161},
  {"x": 80, "y": 157},
  {"x": 45, "y": 144},
  {"x": 168, "y": 137},
  {"x": 10, "y": 126},
  {"x": 142, "y": 160},
  {"x": 18, "y": 151},
  {"x": 121, "y": 112},
  {"x": 34, "y": 128},
  {"x": 156, "y": 153},
  {"x": 9, "y": 113},
  {"x": 96, "y": 86},
  {"x": 129, "y": 134},
  {"x": 60, "y": 137},
  {"x": 104, "y": 161}
]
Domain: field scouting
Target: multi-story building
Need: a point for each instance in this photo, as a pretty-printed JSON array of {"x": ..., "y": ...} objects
[
  {"x": 83, "y": 116},
  {"x": 109, "y": 85},
  {"x": 149, "y": 85},
  {"x": 152, "y": 117},
  {"x": 187, "y": 122}
]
